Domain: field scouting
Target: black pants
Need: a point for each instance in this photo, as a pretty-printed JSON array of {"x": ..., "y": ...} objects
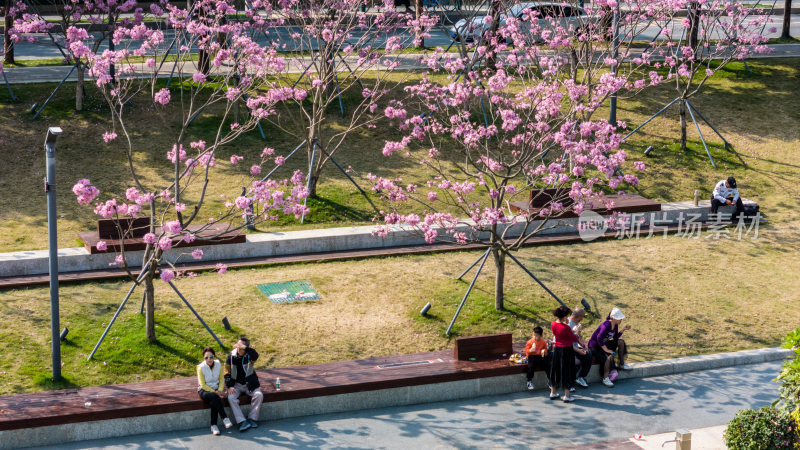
[
  {"x": 538, "y": 362},
  {"x": 715, "y": 204},
  {"x": 605, "y": 360},
  {"x": 583, "y": 363},
  {"x": 216, "y": 405}
]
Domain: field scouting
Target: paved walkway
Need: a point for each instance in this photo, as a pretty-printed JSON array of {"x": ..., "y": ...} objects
[
  {"x": 528, "y": 420},
  {"x": 54, "y": 74}
]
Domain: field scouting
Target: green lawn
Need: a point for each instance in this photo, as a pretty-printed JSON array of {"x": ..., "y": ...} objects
[{"x": 682, "y": 296}]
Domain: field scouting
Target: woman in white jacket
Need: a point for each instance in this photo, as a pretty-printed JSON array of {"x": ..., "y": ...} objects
[{"x": 211, "y": 389}]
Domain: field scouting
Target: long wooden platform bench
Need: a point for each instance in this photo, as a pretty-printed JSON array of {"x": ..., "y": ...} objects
[
  {"x": 625, "y": 203},
  {"x": 297, "y": 382},
  {"x": 130, "y": 233}
]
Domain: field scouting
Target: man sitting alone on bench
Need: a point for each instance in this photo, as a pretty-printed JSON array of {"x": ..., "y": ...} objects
[{"x": 725, "y": 193}]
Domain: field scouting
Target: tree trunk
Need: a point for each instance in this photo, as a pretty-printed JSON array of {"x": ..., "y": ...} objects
[
  {"x": 573, "y": 61},
  {"x": 682, "y": 108},
  {"x": 491, "y": 50},
  {"x": 694, "y": 26},
  {"x": 203, "y": 64},
  {"x": 312, "y": 183},
  {"x": 8, "y": 44},
  {"x": 787, "y": 19},
  {"x": 149, "y": 307},
  {"x": 418, "y": 13},
  {"x": 500, "y": 273},
  {"x": 606, "y": 20},
  {"x": 313, "y": 166},
  {"x": 79, "y": 88}
]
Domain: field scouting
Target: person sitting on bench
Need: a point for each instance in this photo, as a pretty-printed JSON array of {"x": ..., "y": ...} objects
[
  {"x": 583, "y": 362},
  {"x": 538, "y": 358},
  {"x": 241, "y": 378},
  {"x": 725, "y": 193},
  {"x": 605, "y": 343},
  {"x": 211, "y": 389}
]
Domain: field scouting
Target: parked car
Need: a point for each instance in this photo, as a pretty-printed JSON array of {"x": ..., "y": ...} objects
[{"x": 566, "y": 16}]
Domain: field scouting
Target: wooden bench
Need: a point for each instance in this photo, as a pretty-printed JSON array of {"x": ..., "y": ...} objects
[
  {"x": 482, "y": 348},
  {"x": 135, "y": 229},
  {"x": 540, "y": 198},
  {"x": 99, "y": 403},
  {"x": 126, "y": 227}
]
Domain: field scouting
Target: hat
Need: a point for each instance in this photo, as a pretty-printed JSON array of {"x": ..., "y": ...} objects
[
  {"x": 616, "y": 314},
  {"x": 732, "y": 182}
]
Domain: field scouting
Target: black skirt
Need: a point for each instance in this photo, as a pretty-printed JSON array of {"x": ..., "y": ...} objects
[{"x": 562, "y": 368}]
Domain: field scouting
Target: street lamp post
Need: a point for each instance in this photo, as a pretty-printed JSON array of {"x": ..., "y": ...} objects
[{"x": 52, "y": 242}]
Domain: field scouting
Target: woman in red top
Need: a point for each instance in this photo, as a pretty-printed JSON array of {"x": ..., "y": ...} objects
[{"x": 562, "y": 368}]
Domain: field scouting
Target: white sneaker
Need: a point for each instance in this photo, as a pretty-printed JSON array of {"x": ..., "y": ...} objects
[
  {"x": 572, "y": 389},
  {"x": 626, "y": 367},
  {"x": 227, "y": 422},
  {"x": 581, "y": 382},
  {"x": 607, "y": 382},
  {"x": 530, "y": 385},
  {"x": 214, "y": 430}
]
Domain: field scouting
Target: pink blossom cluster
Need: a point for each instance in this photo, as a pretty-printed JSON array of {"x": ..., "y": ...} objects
[
  {"x": 133, "y": 195},
  {"x": 112, "y": 207},
  {"x": 162, "y": 96},
  {"x": 167, "y": 275},
  {"x": 85, "y": 192},
  {"x": 176, "y": 154},
  {"x": 267, "y": 198},
  {"x": 172, "y": 227}
]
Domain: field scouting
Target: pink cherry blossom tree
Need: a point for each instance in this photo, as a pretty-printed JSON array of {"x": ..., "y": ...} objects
[
  {"x": 179, "y": 208},
  {"x": 596, "y": 51},
  {"x": 345, "y": 56},
  {"x": 687, "y": 50},
  {"x": 82, "y": 28},
  {"x": 713, "y": 34},
  {"x": 493, "y": 136}
]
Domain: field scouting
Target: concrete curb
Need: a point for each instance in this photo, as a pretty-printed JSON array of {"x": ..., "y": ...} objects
[
  {"x": 410, "y": 395},
  {"x": 705, "y": 362}
]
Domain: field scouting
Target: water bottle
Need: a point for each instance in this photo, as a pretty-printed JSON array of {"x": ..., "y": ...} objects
[{"x": 277, "y": 384}]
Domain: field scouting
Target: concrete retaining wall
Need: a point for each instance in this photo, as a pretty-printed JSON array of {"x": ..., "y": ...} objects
[
  {"x": 409, "y": 395},
  {"x": 286, "y": 243}
]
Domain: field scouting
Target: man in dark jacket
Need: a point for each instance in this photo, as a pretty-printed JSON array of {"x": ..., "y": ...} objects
[{"x": 241, "y": 378}]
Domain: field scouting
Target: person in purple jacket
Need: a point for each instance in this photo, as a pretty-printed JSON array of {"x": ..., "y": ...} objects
[{"x": 605, "y": 343}]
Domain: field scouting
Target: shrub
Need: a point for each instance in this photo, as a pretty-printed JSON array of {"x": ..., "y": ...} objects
[
  {"x": 766, "y": 428},
  {"x": 790, "y": 376}
]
